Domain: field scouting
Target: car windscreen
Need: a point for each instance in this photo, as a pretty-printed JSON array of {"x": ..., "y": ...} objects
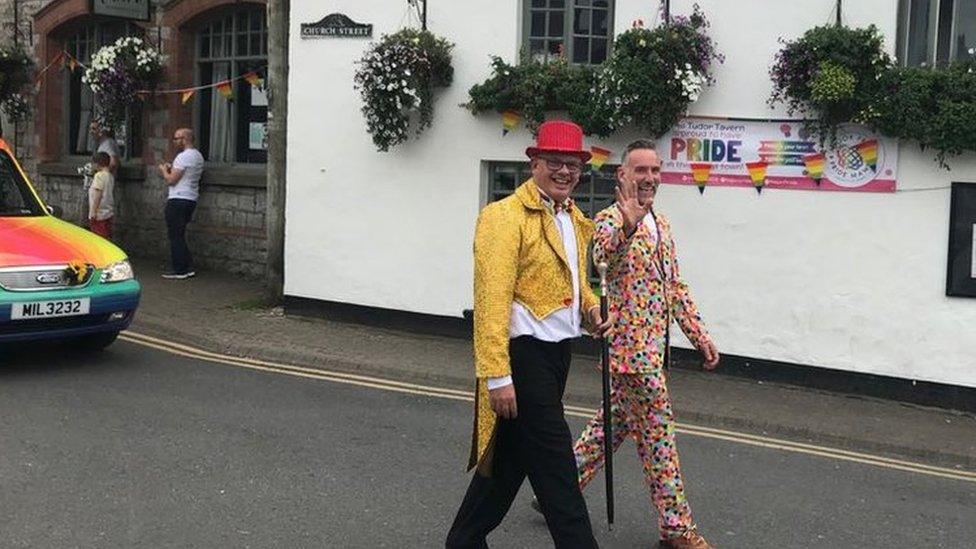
[{"x": 16, "y": 198}]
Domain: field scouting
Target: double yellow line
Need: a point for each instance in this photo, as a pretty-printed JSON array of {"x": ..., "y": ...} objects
[{"x": 577, "y": 411}]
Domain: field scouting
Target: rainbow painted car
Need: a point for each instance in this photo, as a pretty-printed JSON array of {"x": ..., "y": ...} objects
[{"x": 57, "y": 280}]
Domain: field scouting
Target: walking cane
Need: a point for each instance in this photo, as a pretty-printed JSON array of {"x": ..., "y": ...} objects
[{"x": 607, "y": 420}]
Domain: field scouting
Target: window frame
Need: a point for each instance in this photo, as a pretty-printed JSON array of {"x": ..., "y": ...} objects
[
  {"x": 568, "y": 36},
  {"x": 940, "y": 34},
  {"x": 238, "y": 65}
]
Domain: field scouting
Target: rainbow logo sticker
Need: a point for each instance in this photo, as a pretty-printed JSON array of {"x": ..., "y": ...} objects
[
  {"x": 510, "y": 119},
  {"x": 757, "y": 172},
  {"x": 700, "y": 173},
  {"x": 815, "y": 166},
  {"x": 869, "y": 153},
  {"x": 599, "y": 157}
]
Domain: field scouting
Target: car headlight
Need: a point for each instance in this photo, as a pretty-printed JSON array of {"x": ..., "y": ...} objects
[{"x": 118, "y": 271}]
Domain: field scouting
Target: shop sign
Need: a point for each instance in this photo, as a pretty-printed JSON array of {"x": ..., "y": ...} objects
[
  {"x": 337, "y": 25},
  {"x": 125, "y": 9}
]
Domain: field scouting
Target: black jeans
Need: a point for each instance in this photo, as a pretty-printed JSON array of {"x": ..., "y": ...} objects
[
  {"x": 179, "y": 212},
  {"x": 536, "y": 444}
]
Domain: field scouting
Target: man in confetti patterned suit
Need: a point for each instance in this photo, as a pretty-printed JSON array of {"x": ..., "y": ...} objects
[{"x": 645, "y": 290}]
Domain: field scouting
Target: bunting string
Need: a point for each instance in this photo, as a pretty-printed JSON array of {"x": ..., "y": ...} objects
[{"x": 224, "y": 87}]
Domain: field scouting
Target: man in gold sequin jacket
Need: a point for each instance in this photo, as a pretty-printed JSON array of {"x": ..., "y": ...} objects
[{"x": 531, "y": 296}]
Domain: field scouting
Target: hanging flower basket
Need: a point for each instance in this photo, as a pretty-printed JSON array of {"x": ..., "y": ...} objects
[
  {"x": 16, "y": 75},
  {"x": 117, "y": 72},
  {"x": 830, "y": 75},
  {"x": 649, "y": 80},
  {"x": 653, "y": 76},
  {"x": 833, "y": 75},
  {"x": 396, "y": 79}
]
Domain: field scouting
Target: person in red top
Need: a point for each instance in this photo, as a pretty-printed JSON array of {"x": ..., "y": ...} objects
[{"x": 101, "y": 197}]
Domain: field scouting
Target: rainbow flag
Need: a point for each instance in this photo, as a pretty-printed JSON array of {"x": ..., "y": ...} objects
[
  {"x": 757, "y": 171},
  {"x": 253, "y": 79},
  {"x": 869, "y": 153},
  {"x": 186, "y": 96},
  {"x": 815, "y": 166},
  {"x": 510, "y": 119},
  {"x": 700, "y": 173},
  {"x": 225, "y": 89},
  {"x": 599, "y": 158}
]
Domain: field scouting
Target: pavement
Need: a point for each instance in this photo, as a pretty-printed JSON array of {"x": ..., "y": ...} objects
[
  {"x": 223, "y": 313},
  {"x": 138, "y": 447}
]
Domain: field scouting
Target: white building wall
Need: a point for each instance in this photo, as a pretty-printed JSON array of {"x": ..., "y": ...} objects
[{"x": 839, "y": 280}]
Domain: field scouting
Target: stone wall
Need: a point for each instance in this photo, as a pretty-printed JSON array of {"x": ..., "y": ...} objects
[{"x": 228, "y": 229}]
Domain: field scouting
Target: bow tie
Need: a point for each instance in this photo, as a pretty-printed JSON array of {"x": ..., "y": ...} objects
[{"x": 556, "y": 208}]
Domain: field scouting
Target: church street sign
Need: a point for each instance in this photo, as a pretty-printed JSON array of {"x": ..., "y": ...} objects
[{"x": 336, "y": 25}]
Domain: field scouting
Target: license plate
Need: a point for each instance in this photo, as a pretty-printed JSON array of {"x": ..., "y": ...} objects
[{"x": 50, "y": 309}]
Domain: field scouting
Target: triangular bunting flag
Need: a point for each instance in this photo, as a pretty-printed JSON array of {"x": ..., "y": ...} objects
[
  {"x": 757, "y": 172},
  {"x": 815, "y": 166},
  {"x": 73, "y": 63},
  {"x": 62, "y": 59},
  {"x": 869, "y": 153},
  {"x": 225, "y": 89},
  {"x": 700, "y": 173},
  {"x": 253, "y": 78},
  {"x": 186, "y": 96},
  {"x": 510, "y": 119},
  {"x": 599, "y": 157}
]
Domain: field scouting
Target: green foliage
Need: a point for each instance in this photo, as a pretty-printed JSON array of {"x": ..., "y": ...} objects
[
  {"x": 16, "y": 75},
  {"x": 533, "y": 87},
  {"x": 649, "y": 80},
  {"x": 935, "y": 107},
  {"x": 396, "y": 78}
]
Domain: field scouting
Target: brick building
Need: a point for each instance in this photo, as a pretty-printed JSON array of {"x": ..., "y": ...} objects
[{"x": 201, "y": 41}]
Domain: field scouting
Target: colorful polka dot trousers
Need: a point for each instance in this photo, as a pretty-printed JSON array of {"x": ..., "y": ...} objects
[{"x": 640, "y": 406}]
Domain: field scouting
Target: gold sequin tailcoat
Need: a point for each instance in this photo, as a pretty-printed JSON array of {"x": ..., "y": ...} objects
[{"x": 518, "y": 256}]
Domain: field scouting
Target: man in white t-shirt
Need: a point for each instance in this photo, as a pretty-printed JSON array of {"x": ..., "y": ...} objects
[
  {"x": 108, "y": 145},
  {"x": 183, "y": 179}
]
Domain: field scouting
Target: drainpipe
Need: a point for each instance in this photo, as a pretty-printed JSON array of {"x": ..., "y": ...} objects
[{"x": 278, "y": 21}]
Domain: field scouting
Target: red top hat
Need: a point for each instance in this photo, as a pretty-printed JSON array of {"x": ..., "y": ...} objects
[{"x": 561, "y": 137}]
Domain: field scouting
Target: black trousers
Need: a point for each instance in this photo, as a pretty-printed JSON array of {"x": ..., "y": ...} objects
[
  {"x": 536, "y": 444},
  {"x": 179, "y": 212}
]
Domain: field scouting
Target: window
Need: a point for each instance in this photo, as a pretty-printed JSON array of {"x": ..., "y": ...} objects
[
  {"x": 15, "y": 196},
  {"x": 82, "y": 44},
  {"x": 594, "y": 192},
  {"x": 229, "y": 46},
  {"x": 582, "y": 30},
  {"x": 932, "y": 32}
]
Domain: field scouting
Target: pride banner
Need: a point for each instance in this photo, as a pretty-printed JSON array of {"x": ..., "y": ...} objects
[{"x": 776, "y": 155}]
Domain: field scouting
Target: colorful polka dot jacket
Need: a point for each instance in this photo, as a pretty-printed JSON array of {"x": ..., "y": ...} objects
[{"x": 646, "y": 291}]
